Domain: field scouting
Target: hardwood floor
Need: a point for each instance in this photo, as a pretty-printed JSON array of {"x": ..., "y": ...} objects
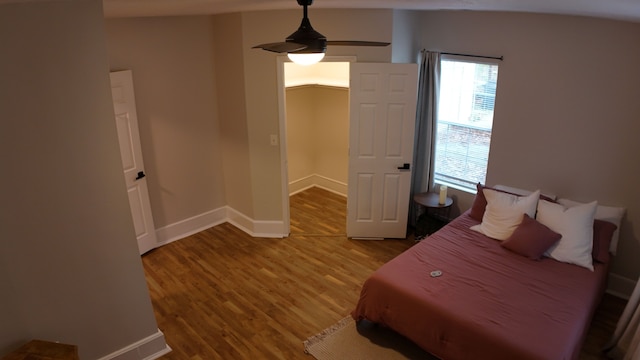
[{"x": 221, "y": 294}]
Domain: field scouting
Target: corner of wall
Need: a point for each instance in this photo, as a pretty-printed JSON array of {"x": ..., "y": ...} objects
[
  {"x": 187, "y": 227},
  {"x": 406, "y": 40}
]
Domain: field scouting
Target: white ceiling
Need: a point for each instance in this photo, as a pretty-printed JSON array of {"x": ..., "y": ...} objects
[
  {"x": 612, "y": 9},
  {"x": 323, "y": 73}
]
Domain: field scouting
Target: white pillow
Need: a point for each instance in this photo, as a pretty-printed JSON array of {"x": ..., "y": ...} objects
[
  {"x": 575, "y": 224},
  {"x": 607, "y": 213},
  {"x": 504, "y": 213}
]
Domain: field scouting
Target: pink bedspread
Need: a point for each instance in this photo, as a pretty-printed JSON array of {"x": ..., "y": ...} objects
[{"x": 489, "y": 303}]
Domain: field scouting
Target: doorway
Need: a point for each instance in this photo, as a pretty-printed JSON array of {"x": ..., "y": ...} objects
[
  {"x": 381, "y": 105},
  {"x": 126, "y": 119},
  {"x": 314, "y": 123}
]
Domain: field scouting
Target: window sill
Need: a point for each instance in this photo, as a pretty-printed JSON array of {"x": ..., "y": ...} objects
[{"x": 458, "y": 187}]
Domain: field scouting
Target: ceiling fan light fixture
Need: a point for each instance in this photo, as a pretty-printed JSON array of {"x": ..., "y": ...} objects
[{"x": 305, "y": 59}]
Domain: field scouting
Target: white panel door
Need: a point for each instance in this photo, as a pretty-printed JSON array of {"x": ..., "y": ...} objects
[
  {"x": 132, "y": 164},
  {"x": 382, "y": 125}
]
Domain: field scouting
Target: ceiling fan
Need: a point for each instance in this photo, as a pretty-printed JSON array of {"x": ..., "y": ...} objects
[{"x": 307, "y": 46}]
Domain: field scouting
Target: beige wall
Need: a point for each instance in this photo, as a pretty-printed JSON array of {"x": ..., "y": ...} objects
[
  {"x": 566, "y": 121},
  {"x": 232, "y": 113},
  {"x": 300, "y": 122},
  {"x": 332, "y": 133},
  {"x": 406, "y": 43},
  {"x": 69, "y": 264},
  {"x": 205, "y": 97},
  {"x": 261, "y": 83},
  {"x": 567, "y": 111},
  {"x": 172, "y": 61},
  {"x": 318, "y": 136}
]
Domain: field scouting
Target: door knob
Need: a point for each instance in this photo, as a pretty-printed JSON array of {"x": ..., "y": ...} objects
[
  {"x": 140, "y": 175},
  {"x": 405, "y": 166}
]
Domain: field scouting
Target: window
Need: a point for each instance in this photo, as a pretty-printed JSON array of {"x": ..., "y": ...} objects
[{"x": 464, "y": 122}]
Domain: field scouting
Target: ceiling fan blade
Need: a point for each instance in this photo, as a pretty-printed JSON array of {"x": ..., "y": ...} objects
[
  {"x": 356, "y": 43},
  {"x": 281, "y": 47}
]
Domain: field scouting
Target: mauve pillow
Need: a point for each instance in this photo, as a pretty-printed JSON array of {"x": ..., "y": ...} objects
[
  {"x": 531, "y": 239},
  {"x": 602, "y": 235},
  {"x": 479, "y": 204},
  {"x": 480, "y": 201}
]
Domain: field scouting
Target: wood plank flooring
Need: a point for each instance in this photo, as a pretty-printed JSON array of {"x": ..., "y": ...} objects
[{"x": 221, "y": 294}]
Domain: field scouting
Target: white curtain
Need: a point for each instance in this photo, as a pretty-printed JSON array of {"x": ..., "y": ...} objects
[
  {"x": 426, "y": 112},
  {"x": 625, "y": 343}
]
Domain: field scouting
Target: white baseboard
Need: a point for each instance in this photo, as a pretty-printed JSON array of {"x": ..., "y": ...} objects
[
  {"x": 334, "y": 186},
  {"x": 320, "y": 181},
  {"x": 190, "y": 226},
  {"x": 333, "y": 190},
  {"x": 620, "y": 286},
  {"x": 150, "y": 348},
  {"x": 195, "y": 224},
  {"x": 256, "y": 228},
  {"x": 301, "y": 185}
]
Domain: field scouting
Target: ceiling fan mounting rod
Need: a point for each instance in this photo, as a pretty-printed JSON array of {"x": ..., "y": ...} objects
[
  {"x": 305, "y": 4},
  {"x": 307, "y": 35}
]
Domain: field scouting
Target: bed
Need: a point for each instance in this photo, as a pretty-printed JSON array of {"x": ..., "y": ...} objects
[{"x": 460, "y": 294}]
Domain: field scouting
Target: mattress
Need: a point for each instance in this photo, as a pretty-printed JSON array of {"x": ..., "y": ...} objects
[{"x": 486, "y": 303}]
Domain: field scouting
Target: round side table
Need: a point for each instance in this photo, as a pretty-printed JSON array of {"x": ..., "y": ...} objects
[{"x": 435, "y": 215}]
